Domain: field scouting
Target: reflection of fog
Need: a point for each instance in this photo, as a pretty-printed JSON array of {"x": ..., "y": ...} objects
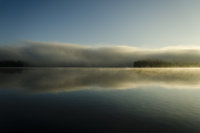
[{"x": 63, "y": 79}]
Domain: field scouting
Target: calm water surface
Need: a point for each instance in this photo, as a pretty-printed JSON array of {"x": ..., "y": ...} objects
[{"x": 100, "y": 100}]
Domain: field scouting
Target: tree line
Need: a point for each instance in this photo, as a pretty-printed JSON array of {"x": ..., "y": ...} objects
[
  {"x": 12, "y": 63},
  {"x": 160, "y": 63}
]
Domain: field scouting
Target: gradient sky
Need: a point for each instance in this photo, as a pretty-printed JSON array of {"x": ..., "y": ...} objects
[{"x": 140, "y": 23}]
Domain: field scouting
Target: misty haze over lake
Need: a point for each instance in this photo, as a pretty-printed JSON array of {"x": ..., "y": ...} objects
[{"x": 100, "y": 66}]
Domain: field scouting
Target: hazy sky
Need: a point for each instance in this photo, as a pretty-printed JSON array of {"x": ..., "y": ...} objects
[{"x": 140, "y": 23}]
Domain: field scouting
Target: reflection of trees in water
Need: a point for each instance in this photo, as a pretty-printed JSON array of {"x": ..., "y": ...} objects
[
  {"x": 59, "y": 79},
  {"x": 11, "y": 70}
]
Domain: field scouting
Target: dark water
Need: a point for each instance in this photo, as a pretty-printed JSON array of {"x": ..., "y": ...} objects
[{"x": 100, "y": 100}]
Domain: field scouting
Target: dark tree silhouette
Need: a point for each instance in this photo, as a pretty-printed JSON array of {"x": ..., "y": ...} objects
[
  {"x": 152, "y": 63},
  {"x": 11, "y": 63}
]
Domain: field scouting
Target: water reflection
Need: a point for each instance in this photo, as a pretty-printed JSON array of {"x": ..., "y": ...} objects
[
  {"x": 148, "y": 107},
  {"x": 64, "y": 79}
]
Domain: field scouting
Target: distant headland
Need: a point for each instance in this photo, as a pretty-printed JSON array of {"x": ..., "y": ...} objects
[{"x": 160, "y": 63}]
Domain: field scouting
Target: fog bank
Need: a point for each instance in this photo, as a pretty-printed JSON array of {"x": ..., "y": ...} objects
[{"x": 60, "y": 54}]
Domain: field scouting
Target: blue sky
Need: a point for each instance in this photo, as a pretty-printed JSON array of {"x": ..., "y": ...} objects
[{"x": 140, "y": 23}]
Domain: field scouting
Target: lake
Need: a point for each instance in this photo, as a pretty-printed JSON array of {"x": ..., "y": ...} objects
[{"x": 100, "y": 100}]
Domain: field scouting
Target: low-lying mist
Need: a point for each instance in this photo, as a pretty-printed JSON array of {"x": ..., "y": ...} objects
[{"x": 61, "y": 55}]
